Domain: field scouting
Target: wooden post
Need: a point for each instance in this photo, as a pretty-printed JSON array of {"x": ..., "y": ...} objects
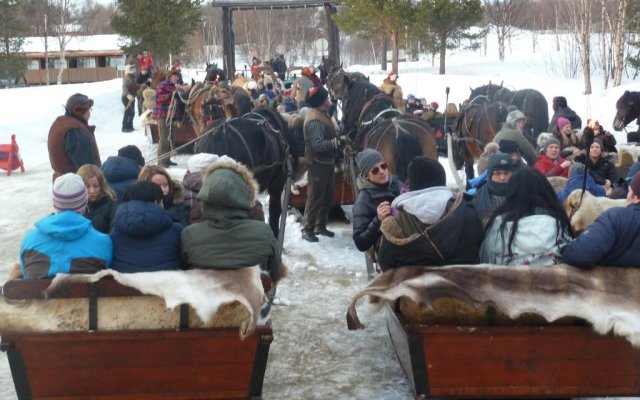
[
  {"x": 333, "y": 34},
  {"x": 228, "y": 42}
]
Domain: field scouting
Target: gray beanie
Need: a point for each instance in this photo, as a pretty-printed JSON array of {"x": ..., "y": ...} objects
[
  {"x": 366, "y": 159},
  {"x": 549, "y": 142},
  {"x": 576, "y": 169},
  {"x": 513, "y": 116}
]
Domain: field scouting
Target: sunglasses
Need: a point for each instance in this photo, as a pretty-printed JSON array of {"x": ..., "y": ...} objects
[{"x": 382, "y": 167}]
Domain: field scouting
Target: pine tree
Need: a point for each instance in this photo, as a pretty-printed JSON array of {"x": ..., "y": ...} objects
[
  {"x": 377, "y": 18},
  {"x": 448, "y": 21},
  {"x": 12, "y": 37},
  {"x": 158, "y": 26}
]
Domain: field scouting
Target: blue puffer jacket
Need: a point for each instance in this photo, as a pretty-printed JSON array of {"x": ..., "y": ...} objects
[
  {"x": 121, "y": 173},
  {"x": 612, "y": 240},
  {"x": 64, "y": 242},
  {"x": 145, "y": 238},
  {"x": 575, "y": 182}
]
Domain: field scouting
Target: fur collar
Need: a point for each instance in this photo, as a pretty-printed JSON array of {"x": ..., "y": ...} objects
[{"x": 240, "y": 169}]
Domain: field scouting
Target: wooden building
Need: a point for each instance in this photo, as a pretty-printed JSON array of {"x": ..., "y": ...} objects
[{"x": 87, "y": 59}]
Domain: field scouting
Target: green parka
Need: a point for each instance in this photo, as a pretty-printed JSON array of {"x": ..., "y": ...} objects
[{"x": 228, "y": 238}]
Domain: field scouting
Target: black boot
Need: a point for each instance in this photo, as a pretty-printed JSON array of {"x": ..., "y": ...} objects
[
  {"x": 309, "y": 237},
  {"x": 324, "y": 232}
]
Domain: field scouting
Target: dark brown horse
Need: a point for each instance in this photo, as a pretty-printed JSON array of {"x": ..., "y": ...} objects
[
  {"x": 200, "y": 92},
  {"x": 477, "y": 124},
  {"x": 369, "y": 120},
  {"x": 256, "y": 139},
  {"x": 531, "y": 102},
  {"x": 627, "y": 109}
]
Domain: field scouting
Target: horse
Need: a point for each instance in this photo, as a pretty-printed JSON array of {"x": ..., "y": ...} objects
[
  {"x": 214, "y": 74},
  {"x": 278, "y": 65},
  {"x": 476, "y": 125},
  {"x": 200, "y": 92},
  {"x": 531, "y": 102},
  {"x": 256, "y": 139},
  {"x": 627, "y": 109},
  {"x": 369, "y": 120},
  {"x": 329, "y": 67}
]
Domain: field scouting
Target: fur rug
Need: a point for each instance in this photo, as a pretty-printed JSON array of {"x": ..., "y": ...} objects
[
  {"x": 217, "y": 298},
  {"x": 584, "y": 214},
  {"x": 606, "y": 297}
]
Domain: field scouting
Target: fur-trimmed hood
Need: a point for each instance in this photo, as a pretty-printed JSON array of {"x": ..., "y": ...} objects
[{"x": 228, "y": 184}]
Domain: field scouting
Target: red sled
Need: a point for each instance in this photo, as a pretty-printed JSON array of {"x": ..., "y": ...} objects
[{"x": 10, "y": 156}]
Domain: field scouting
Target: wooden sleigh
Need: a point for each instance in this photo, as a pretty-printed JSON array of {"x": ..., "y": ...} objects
[
  {"x": 481, "y": 331},
  {"x": 187, "y": 363},
  {"x": 511, "y": 361}
]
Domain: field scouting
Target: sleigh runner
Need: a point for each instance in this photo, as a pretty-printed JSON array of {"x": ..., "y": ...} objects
[
  {"x": 456, "y": 337},
  {"x": 179, "y": 357}
]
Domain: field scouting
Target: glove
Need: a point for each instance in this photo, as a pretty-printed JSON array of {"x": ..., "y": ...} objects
[
  {"x": 342, "y": 141},
  {"x": 130, "y": 97}
]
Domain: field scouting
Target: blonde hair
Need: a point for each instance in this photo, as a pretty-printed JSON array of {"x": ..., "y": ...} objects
[{"x": 89, "y": 171}]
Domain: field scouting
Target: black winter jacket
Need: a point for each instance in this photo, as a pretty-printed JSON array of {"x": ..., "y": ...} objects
[
  {"x": 366, "y": 225},
  {"x": 101, "y": 214}
]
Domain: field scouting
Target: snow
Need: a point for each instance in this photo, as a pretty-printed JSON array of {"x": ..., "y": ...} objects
[
  {"x": 76, "y": 43},
  {"x": 313, "y": 355}
]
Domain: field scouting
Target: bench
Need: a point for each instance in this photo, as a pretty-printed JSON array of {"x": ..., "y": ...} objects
[
  {"x": 187, "y": 363},
  {"x": 512, "y": 361}
]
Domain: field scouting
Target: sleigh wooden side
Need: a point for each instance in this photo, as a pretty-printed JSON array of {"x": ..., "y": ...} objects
[
  {"x": 342, "y": 193},
  {"x": 543, "y": 361},
  {"x": 208, "y": 363}
]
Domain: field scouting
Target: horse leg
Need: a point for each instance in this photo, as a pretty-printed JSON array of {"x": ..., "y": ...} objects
[
  {"x": 468, "y": 164},
  {"x": 275, "y": 204}
]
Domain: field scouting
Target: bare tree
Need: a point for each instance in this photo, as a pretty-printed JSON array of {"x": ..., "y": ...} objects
[
  {"x": 503, "y": 17},
  {"x": 580, "y": 18},
  {"x": 618, "y": 25},
  {"x": 63, "y": 31}
]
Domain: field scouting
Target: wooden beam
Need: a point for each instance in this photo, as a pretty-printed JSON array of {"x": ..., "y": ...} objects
[{"x": 268, "y": 4}]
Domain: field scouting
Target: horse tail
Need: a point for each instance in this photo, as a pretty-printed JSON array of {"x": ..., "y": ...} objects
[{"x": 408, "y": 147}]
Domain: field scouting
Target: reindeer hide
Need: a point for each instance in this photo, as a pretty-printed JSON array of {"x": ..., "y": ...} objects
[{"x": 606, "y": 297}]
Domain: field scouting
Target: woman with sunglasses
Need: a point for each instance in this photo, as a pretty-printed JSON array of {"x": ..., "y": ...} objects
[{"x": 376, "y": 192}]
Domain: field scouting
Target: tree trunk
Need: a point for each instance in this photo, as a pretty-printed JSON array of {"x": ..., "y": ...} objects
[
  {"x": 383, "y": 59},
  {"x": 603, "y": 44},
  {"x": 443, "y": 53},
  {"x": 500, "y": 34},
  {"x": 619, "y": 39},
  {"x": 394, "y": 51}
]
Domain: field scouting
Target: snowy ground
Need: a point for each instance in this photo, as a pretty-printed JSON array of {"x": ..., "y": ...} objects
[{"x": 313, "y": 356}]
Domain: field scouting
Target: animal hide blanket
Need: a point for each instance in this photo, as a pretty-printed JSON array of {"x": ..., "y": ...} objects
[
  {"x": 217, "y": 298},
  {"x": 606, "y": 297}
]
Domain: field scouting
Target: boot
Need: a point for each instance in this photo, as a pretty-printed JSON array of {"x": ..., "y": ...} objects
[
  {"x": 324, "y": 232},
  {"x": 310, "y": 237}
]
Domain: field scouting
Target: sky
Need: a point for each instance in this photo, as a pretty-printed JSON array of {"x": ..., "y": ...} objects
[{"x": 313, "y": 355}]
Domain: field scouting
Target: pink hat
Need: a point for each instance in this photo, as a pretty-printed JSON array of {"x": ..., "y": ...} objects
[{"x": 562, "y": 122}]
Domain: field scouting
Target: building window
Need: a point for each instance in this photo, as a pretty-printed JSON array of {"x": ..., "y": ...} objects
[
  {"x": 86, "y": 62},
  {"x": 114, "y": 62},
  {"x": 33, "y": 64},
  {"x": 54, "y": 63}
]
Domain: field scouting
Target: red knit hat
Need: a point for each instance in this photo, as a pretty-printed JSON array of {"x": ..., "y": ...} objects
[
  {"x": 306, "y": 71},
  {"x": 392, "y": 76}
]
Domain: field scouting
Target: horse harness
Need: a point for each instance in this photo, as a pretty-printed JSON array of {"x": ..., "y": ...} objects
[{"x": 478, "y": 121}]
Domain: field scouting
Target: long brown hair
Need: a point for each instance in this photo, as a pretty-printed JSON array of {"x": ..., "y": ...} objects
[{"x": 89, "y": 171}]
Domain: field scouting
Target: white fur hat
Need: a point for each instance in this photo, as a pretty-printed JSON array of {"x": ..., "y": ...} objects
[
  {"x": 200, "y": 162},
  {"x": 70, "y": 193}
]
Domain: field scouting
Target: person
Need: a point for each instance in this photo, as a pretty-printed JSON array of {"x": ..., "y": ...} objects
[
  {"x": 489, "y": 150},
  {"x": 164, "y": 94},
  {"x": 102, "y": 204},
  {"x": 146, "y": 61},
  {"x": 129, "y": 92},
  {"x": 145, "y": 237},
  {"x": 321, "y": 145},
  {"x": 413, "y": 106},
  {"x": 570, "y": 145},
  {"x": 301, "y": 87},
  {"x": 65, "y": 241},
  {"x": 391, "y": 88},
  {"x": 143, "y": 80},
  {"x": 228, "y": 238},
  {"x": 561, "y": 109},
  {"x": 599, "y": 167},
  {"x": 376, "y": 191},
  {"x": 530, "y": 227},
  {"x": 122, "y": 171},
  {"x": 613, "y": 239},
  {"x": 255, "y": 64},
  {"x": 576, "y": 181},
  {"x": 434, "y": 226},
  {"x": 512, "y": 130},
  {"x": 313, "y": 77},
  {"x": 549, "y": 162},
  {"x": 172, "y": 191},
  {"x": 177, "y": 67},
  {"x": 608, "y": 140},
  {"x": 72, "y": 142},
  {"x": 263, "y": 100},
  {"x": 491, "y": 193}
]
